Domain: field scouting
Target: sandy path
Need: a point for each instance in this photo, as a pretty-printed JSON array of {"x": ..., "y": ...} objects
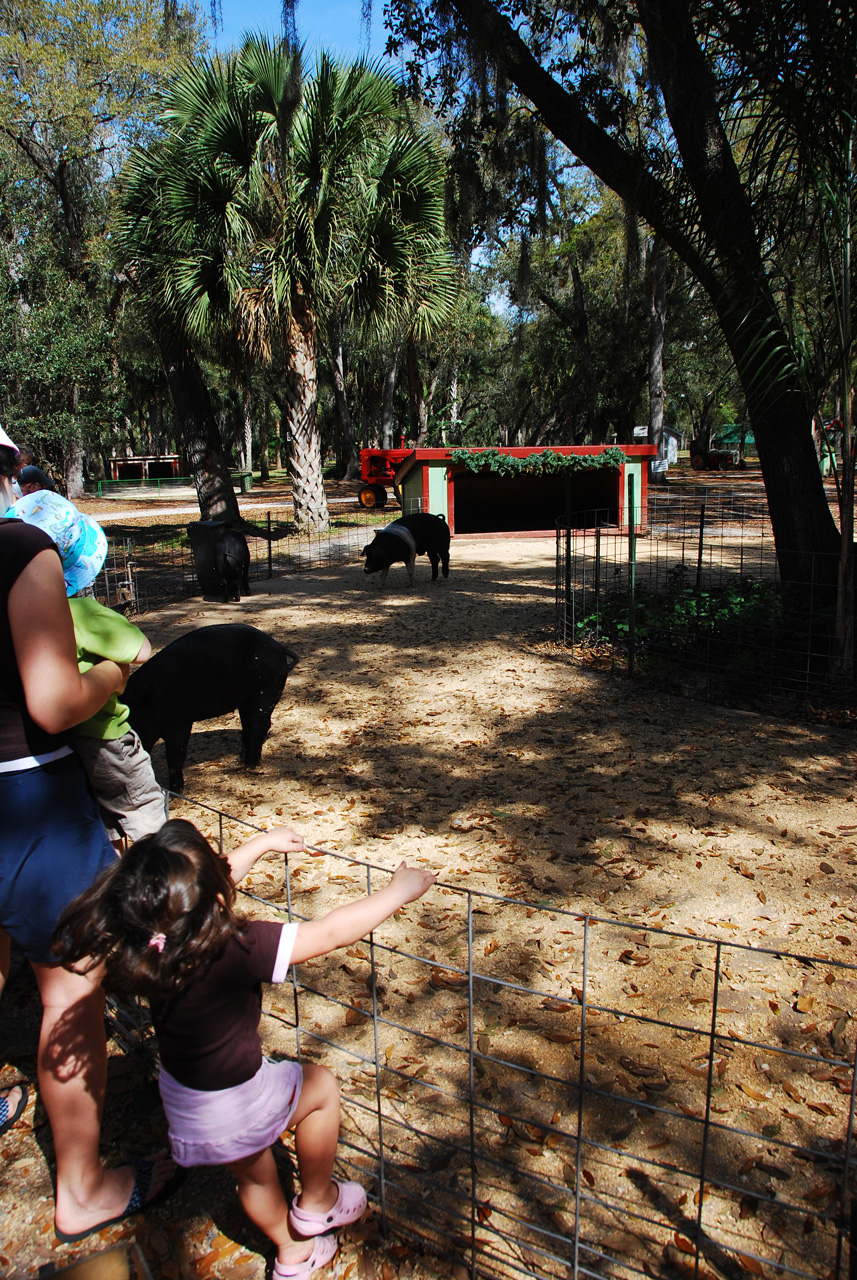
[{"x": 441, "y": 723}]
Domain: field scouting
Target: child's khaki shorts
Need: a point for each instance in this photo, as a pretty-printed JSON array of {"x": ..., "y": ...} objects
[{"x": 132, "y": 803}]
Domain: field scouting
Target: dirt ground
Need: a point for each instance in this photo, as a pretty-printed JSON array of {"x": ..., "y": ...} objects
[{"x": 441, "y": 724}]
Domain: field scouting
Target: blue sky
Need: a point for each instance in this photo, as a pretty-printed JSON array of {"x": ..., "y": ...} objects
[{"x": 335, "y": 25}]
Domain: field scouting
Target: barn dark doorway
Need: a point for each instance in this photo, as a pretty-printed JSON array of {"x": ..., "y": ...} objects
[{"x": 486, "y": 502}]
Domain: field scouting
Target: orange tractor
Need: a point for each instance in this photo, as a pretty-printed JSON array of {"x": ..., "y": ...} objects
[{"x": 377, "y": 469}]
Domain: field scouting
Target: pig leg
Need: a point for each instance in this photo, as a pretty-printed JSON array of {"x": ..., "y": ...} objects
[
  {"x": 435, "y": 561},
  {"x": 409, "y": 565},
  {"x": 176, "y": 740},
  {"x": 384, "y": 573},
  {"x": 444, "y": 558},
  {"x": 255, "y": 716}
]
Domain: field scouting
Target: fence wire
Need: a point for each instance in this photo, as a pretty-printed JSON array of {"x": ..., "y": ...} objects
[
  {"x": 697, "y": 597},
  {"x": 655, "y": 1102},
  {"x": 145, "y": 571}
]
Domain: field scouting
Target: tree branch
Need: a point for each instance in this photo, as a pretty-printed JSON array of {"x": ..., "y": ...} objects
[{"x": 562, "y": 113}]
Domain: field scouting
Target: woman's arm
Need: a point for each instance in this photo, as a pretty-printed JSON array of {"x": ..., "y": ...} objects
[
  {"x": 277, "y": 840},
  {"x": 348, "y": 924},
  {"x": 58, "y": 696}
]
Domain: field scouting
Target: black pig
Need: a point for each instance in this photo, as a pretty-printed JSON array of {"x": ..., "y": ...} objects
[
  {"x": 406, "y": 538},
  {"x": 206, "y": 673},
  {"x": 232, "y": 561}
]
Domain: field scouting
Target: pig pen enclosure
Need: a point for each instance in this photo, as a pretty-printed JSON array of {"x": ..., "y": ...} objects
[
  {"x": 616, "y": 1039},
  {"x": 559, "y": 1116},
  {"x": 696, "y": 600}
]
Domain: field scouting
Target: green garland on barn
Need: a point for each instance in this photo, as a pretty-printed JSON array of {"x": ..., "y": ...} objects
[{"x": 546, "y": 463}]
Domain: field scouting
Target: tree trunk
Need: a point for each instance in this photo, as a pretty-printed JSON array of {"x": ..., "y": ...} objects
[
  {"x": 348, "y": 452},
  {"x": 74, "y": 470},
  {"x": 304, "y": 456},
  {"x": 454, "y": 408},
  {"x": 780, "y": 416},
  {"x": 247, "y": 418},
  {"x": 74, "y": 457},
  {"x": 416, "y": 403},
  {"x": 200, "y": 436},
  {"x": 657, "y": 324},
  {"x": 387, "y": 401},
  {"x": 264, "y": 428}
]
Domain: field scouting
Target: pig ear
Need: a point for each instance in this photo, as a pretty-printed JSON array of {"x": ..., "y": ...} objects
[{"x": 364, "y": 551}]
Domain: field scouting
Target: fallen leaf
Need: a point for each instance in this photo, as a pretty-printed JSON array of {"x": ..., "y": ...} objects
[
  {"x": 621, "y": 1242},
  {"x": 749, "y": 1263},
  {"x": 756, "y": 1094},
  {"x": 821, "y": 1191},
  {"x": 447, "y": 978}
]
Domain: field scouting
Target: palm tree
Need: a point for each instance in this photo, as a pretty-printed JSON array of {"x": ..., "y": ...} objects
[
  {"x": 174, "y": 199},
  {"x": 279, "y": 217}
]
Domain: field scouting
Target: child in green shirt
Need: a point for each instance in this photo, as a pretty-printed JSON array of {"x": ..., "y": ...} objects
[{"x": 120, "y": 771}]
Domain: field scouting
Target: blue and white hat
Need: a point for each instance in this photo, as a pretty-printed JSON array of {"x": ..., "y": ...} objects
[{"x": 80, "y": 540}]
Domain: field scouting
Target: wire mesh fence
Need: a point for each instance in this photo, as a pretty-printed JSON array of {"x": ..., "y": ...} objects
[
  {"x": 697, "y": 597},
  {"x": 147, "y": 570},
  {"x": 528, "y": 1091}
]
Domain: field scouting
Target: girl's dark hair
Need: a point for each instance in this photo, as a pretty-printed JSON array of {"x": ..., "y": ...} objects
[
  {"x": 171, "y": 883},
  {"x": 8, "y": 459}
]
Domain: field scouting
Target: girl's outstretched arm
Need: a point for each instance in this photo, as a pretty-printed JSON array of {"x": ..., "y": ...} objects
[
  {"x": 348, "y": 924},
  {"x": 277, "y": 840}
]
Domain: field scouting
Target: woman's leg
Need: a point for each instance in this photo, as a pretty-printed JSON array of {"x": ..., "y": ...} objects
[
  {"x": 316, "y": 1125},
  {"x": 72, "y": 1068},
  {"x": 5, "y": 958},
  {"x": 263, "y": 1201}
]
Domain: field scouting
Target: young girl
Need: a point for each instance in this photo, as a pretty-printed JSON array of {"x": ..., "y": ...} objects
[{"x": 162, "y": 922}]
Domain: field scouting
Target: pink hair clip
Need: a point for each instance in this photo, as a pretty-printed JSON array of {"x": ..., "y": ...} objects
[{"x": 158, "y": 940}]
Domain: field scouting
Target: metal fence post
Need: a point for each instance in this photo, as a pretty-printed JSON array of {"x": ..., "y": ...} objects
[
  {"x": 472, "y": 1083},
  {"x": 581, "y": 1085},
  {"x": 270, "y": 561},
  {"x": 709, "y": 1086},
  {"x": 632, "y": 576},
  {"x": 598, "y": 579},
  {"x": 699, "y": 551},
  {"x": 382, "y": 1177}
]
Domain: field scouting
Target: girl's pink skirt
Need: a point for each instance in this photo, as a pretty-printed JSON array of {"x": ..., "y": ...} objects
[{"x": 222, "y": 1125}]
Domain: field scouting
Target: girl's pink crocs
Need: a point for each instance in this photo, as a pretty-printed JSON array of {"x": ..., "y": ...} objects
[{"x": 350, "y": 1204}]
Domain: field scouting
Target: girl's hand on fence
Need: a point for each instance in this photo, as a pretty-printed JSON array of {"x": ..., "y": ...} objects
[
  {"x": 409, "y": 883},
  {"x": 277, "y": 840},
  {"x": 284, "y": 840}
]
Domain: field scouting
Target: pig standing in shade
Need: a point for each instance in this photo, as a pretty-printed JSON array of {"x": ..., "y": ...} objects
[
  {"x": 232, "y": 561},
  {"x": 406, "y": 538},
  {"x": 206, "y": 673}
]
